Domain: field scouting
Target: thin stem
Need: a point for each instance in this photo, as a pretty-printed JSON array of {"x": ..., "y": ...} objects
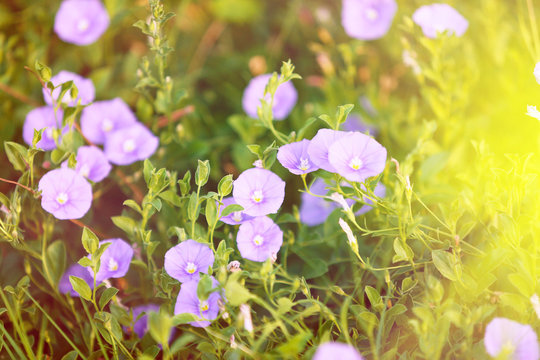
[{"x": 18, "y": 184}]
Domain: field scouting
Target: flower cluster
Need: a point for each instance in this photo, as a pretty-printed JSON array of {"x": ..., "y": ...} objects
[
  {"x": 353, "y": 155},
  {"x": 371, "y": 19},
  {"x": 185, "y": 262},
  {"x": 110, "y": 123},
  {"x": 260, "y": 192},
  {"x": 114, "y": 263}
]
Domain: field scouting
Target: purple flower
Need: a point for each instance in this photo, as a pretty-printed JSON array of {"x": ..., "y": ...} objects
[
  {"x": 43, "y": 118},
  {"x": 354, "y": 122},
  {"x": 284, "y": 99},
  {"x": 295, "y": 158},
  {"x": 64, "y": 285},
  {"x": 65, "y": 194},
  {"x": 234, "y": 218},
  {"x": 84, "y": 86},
  {"x": 515, "y": 340},
  {"x": 315, "y": 210},
  {"x": 103, "y": 117},
  {"x": 189, "y": 302},
  {"x": 336, "y": 350},
  {"x": 367, "y": 19},
  {"x": 115, "y": 261},
  {"x": 437, "y": 18},
  {"x": 259, "y": 192},
  {"x": 141, "y": 325},
  {"x": 81, "y": 22},
  {"x": 127, "y": 145},
  {"x": 357, "y": 156},
  {"x": 259, "y": 239},
  {"x": 91, "y": 163},
  {"x": 319, "y": 145},
  {"x": 186, "y": 260}
]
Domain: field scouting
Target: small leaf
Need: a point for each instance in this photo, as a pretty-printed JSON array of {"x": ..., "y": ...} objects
[
  {"x": 106, "y": 296},
  {"x": 446, "y": 264},
  {"x": 81, "y": 287},
  {"x": 202, "y": 172},
  {"x": 16, "y": 154},
  {"x": 230, "y": 209},
  {"x": 211, "y": 212},
  {"x": 89, "y": 240},
  {"x": 225, "y": 185}
]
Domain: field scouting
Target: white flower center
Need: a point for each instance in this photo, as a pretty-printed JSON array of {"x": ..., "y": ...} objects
[
  {"x": 129, "y": 145},
  {"x": 257, "y": 196},
  {"x": 83, "y": 24},
  {"x": 204, "y": 306},
  {"x": 62, "y": 198},
  {"x": 191, "y": 268},
  {"x": 49, "y": 132},
  {"x": 258, "y": 240},
  {"x": 304, "y": 164},
  {"x": 84, "y": 170},
  {"x": 107, "y": 125},
  {"x": 112, "y": 265},
  {"x": 372, "y": 14},
  {"x": 356, "y": 163},
  {"x": 237, "y": 216}
]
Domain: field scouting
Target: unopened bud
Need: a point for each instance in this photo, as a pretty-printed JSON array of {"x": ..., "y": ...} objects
[{"x": 234, "y": 266}]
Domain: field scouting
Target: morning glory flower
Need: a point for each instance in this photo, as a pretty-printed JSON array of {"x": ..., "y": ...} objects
[
  {"x": 127, "y": 145},
  {"x": 437, "y": 18},
  {"x": 91, "y": 163},
  {"x": 101, "y": 118},
  {"x": 336, "y": 350},
  {"x": 81, "y": 22},
  {"x": 64, "y": 285},
  {"x": 354, "y": 122},
  {"x": 85, "y": 87},
  {"x": 357, "y": 157},
  {"x": 537, "y": 72},
  {"x": 234, "y": 218},
  {"x": 315, "y": 210},
  {"x": 533, "y": 112},
  {"x": 43, "y": 118},
  {"x": 141, "y": 325},
  {"x": 319, "y": 145},
  {"x": 65, "y": 194},
  {"x": 259, "y": 192},
  {"x": 115, "y": 261},
  {"x": 189, "y": 302},
  {"x": 259, "y": 239},
  {"x": 284, "y": 99},
  {"x": 294, "y": 157},
  {"x": 367, "y": 19},
  {"x": 515, "y": 340},
  {"x": 186, "y": 260}
]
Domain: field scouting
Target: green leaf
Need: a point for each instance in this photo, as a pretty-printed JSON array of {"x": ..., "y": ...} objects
[
  {"x": 295, "y": 345},
  {"x": 205, "y": 287},
  {"x": 72, "y": 355},
  {"x": 132, "y": 204},
  {"x": 57, "y": 156},
  {"x": 159, "y": 325},
  {"x": 85, "y": 262},
  {"x": 235, "y": 293},
  {"x": 374, "y": 298},
  {"x": 184, "y": 318},
  {"x": 54, "y": 262},
  {"x": 230, "y": 209},
  {"x": 523, "y": 283},
  {"x": 225, "y": 185},
  {"x": 16, "y": 154},
  {"x": 106, "y": 296},
  {"x": 171, "y": 197},
  {"x": 125, "y": 223},
  {"x": 193, "y": 207},
  {"x": 255, "y": 150},
  {"x": 81, "y": 287},
  {"x": 342, "y": 113},
  {"x": 202, "y": 172},
  {"x": 43, "y": 70},
  {"x": 211, "y": 211},
  {"x": 446, "y": 264},
  {"x": 148, "y": 169},
  {"x": 89, "y": 240}
]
